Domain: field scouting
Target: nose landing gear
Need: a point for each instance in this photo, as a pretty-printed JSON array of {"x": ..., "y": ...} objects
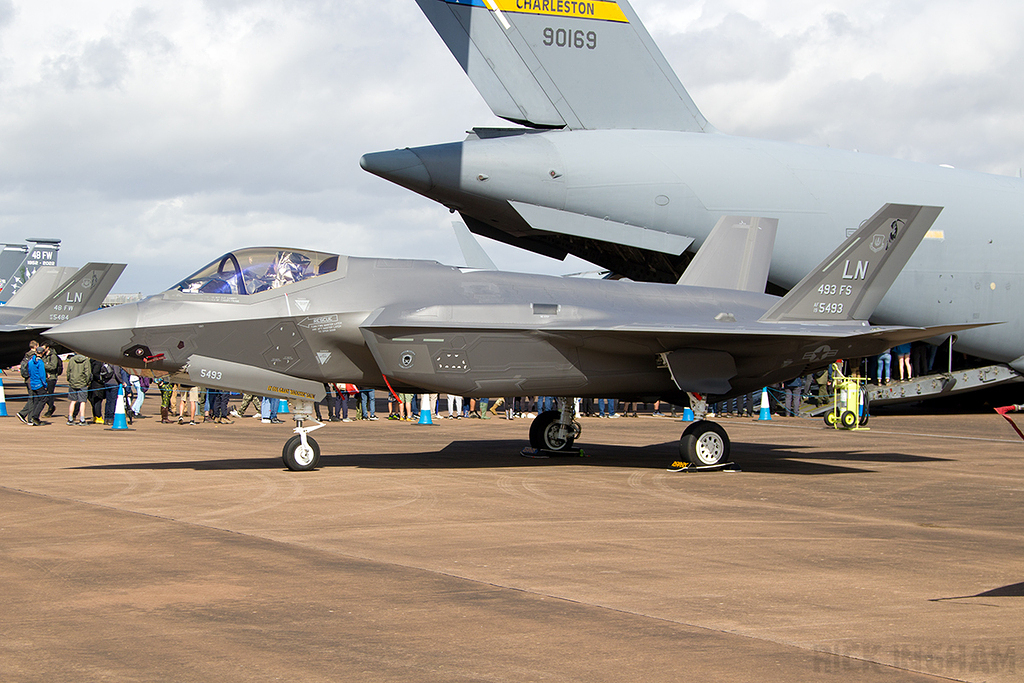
[{"x": 301, "y": 453}]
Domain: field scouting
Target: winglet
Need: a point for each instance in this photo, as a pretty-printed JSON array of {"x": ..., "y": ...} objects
[
  {"x": 586, "y": 65},
  {"x": 736, "y": 255},
  {"x": 83, "y": 293},
  {"x": 849, "y": 283}
]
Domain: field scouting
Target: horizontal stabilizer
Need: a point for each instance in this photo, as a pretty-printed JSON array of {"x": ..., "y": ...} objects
[
  {"x": 576, "y": 224},
  {"x": 851, "y": 281},
  {"x": 578, "y": 65},
  {"x": 736, "y": 255},
  {"x": 83, "y": 293}
]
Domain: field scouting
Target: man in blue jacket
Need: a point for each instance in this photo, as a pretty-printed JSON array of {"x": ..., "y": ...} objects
[{"x": 37, "y": 385}]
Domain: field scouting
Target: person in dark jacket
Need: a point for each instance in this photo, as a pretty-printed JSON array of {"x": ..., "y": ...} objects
[
  {"x": 53, "y": 365},
  {"x": 79, "y": 377}
]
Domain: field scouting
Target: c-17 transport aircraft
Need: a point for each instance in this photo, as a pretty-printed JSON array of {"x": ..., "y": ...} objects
[
  {"x": 612, "y": 161},
  {"x": 280, "y": 322}
]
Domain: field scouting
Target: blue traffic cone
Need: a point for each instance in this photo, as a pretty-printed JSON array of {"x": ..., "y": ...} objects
[
  {"x": 425, "y": 418},
  {"x": 3, "y": 400},
  {"x": 120, "y": 421},
  {"x": 766, "y": 413},
  {"x": 687, "y": 414},
  {"x": 282, "y": 406}
]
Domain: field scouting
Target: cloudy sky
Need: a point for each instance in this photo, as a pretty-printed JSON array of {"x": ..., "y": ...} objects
[{"x": 163, "y": 134}]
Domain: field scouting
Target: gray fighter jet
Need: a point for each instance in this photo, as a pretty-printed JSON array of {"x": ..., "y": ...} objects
[
  {"x": 614, "y": 163},
  {"x": 280, "y": 322},
  {"x": 82, "y": 292}
]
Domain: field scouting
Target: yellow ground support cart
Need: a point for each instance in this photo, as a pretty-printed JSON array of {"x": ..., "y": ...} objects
[{"x": 849, "y": 404}]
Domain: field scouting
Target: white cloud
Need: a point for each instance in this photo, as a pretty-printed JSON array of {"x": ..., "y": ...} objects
[{"x": 164, "y": 134}]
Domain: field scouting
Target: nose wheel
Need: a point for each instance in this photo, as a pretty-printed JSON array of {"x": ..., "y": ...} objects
[
  {"x": 301, "y": 453},
  {"x": 299, "y": 456}
]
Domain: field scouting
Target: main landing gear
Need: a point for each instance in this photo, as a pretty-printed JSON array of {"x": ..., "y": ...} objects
[
  {"x": 703, "y": 443},
  {"x": 555, "y": 430},
  {"x": 301, "y": 453}
]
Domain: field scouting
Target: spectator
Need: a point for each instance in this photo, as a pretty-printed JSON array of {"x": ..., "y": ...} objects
[{"x": 79, "y": 377}]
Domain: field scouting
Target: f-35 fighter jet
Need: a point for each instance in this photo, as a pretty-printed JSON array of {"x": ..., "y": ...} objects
[{"x": 280, "y": 322}]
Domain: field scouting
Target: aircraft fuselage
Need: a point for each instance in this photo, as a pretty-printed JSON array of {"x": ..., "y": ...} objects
[{"x": 476, "y": 333}]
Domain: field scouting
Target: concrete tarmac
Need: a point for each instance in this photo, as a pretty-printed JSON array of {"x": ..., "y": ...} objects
[{"x": 416, "y": 553}]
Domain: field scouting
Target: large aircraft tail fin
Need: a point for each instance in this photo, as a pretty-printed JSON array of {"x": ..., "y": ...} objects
[
  {"x": 736, "y": 255},
  {"x": 565, "y": 64},
  {"x": 849, "y": 283},
  {"x": 83, "y": 293}
]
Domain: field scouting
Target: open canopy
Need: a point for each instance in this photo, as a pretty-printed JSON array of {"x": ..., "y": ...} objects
[{"x": 256, "y": 269}]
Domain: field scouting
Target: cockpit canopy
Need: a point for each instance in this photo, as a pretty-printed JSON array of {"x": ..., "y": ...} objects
[{"x": 257, "y": 269}]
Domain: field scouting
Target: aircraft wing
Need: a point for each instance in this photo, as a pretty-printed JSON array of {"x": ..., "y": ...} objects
[{"x": 722, "y": 359}]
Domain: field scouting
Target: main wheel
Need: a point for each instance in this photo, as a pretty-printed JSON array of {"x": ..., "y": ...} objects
[
  {"x": 848, "y": 420},
  {"x": 544, "y": 433},
  {"x": 830, "y": 418},
  {"x": 704, "y": 443},
  {"x": 299, "y": 458}
]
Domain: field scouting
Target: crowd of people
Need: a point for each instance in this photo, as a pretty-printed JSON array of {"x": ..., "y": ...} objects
[{"x": 96, "y": 384}]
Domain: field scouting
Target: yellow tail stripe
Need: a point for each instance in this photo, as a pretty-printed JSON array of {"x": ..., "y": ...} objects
[{"x": 604, "y": 10}]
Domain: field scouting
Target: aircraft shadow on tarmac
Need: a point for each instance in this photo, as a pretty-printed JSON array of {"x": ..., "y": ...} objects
[
  {"x": 471, "y": 454},
  {"x": 1014, "y": 590}
]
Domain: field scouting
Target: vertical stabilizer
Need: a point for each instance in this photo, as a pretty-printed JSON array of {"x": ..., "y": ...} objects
[
  {"x": 472, "y": 252},
  {"x": 736, "y": 255},
  {"x": 41, "y": 285},
  {"x": 849, "y": 283},
  {"x": 40, "y": 252},
  {"x": 565, "y": 64},
  {"x": 83, "y": 293}
]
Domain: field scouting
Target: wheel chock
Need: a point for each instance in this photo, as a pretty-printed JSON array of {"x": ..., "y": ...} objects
[{"x": 680, "y": 466}]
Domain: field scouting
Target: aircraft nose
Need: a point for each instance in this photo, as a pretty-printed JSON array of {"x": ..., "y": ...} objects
[
  {"x": 400, "y": 166},
  {"x": 102, "y": 334}
]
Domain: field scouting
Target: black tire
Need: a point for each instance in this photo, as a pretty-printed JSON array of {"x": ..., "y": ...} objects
[
  {"x": 830, "y": 418},
  {"x": 296, "y": 458},
  {"x": 848, "y": 420},
  {"x": 704, "y": 443},
  {"x": 544, "y": 433}
]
